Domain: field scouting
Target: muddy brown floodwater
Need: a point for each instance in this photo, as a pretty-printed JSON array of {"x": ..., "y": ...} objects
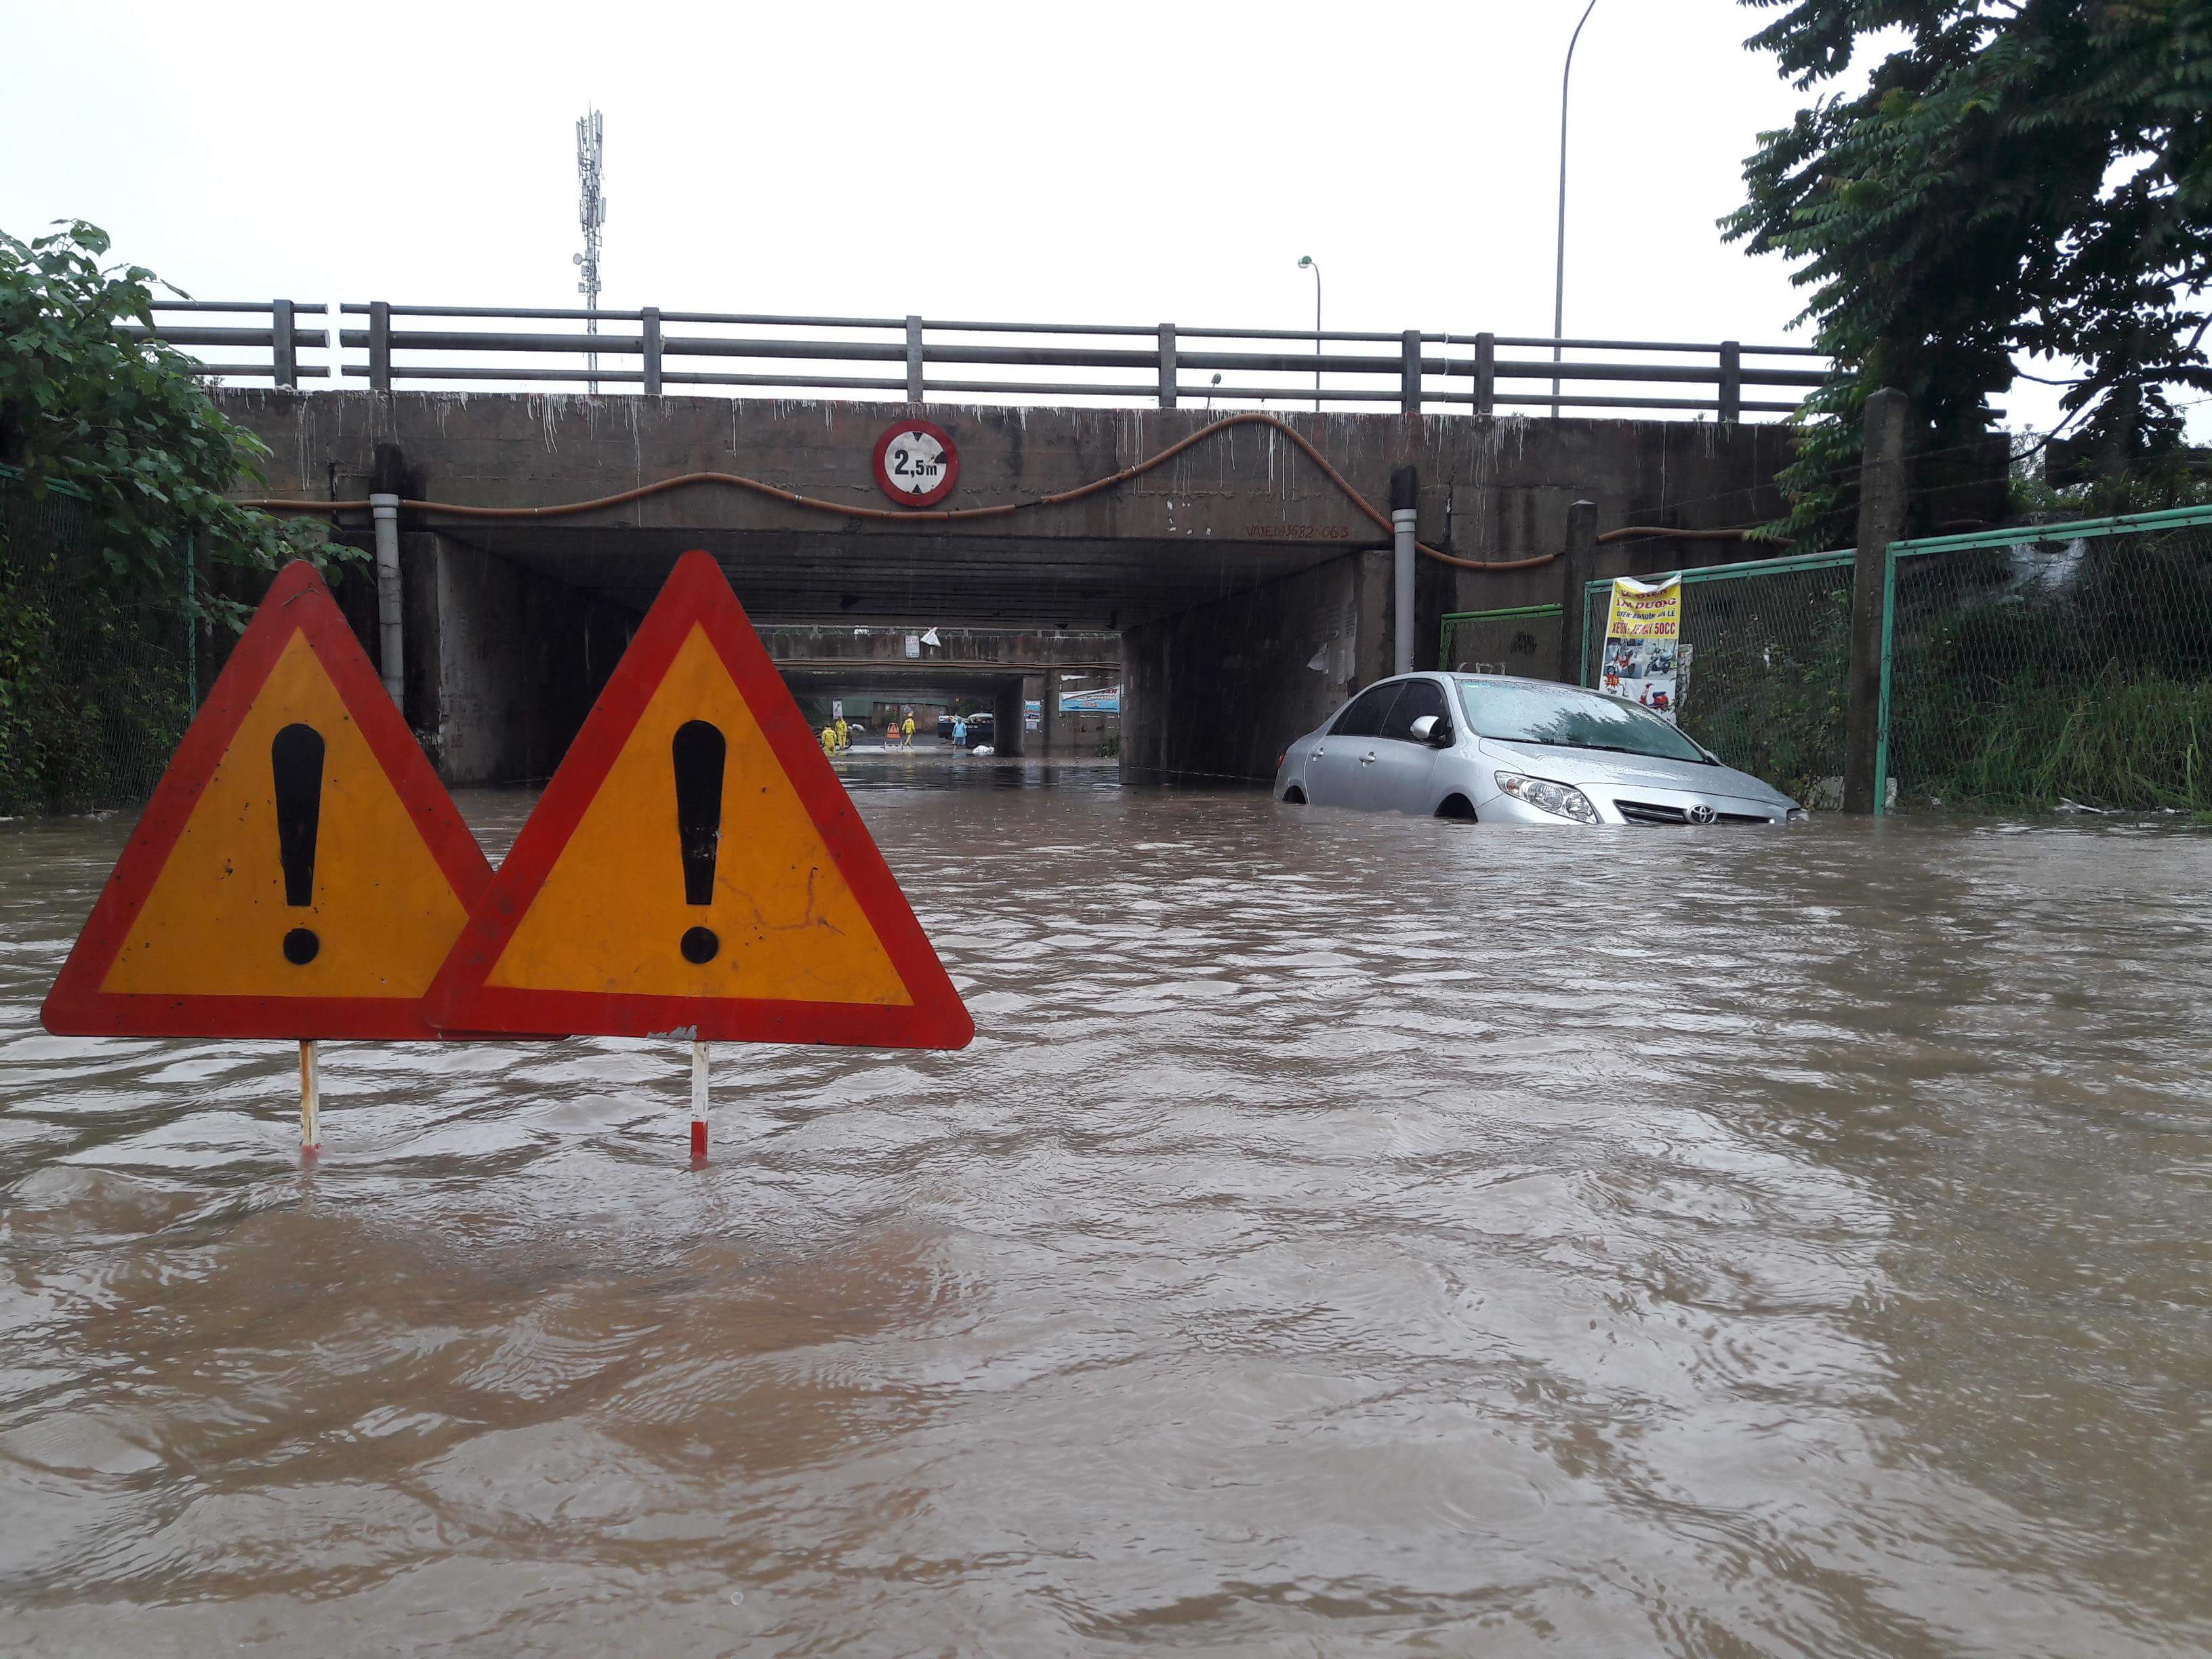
[{"x": 1347, "y": 1234}]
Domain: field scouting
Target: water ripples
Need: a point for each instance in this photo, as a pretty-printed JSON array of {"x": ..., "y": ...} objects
[{"x": 1344, "y": 1234}]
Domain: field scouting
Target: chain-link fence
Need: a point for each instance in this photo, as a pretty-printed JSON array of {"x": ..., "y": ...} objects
[
  {"x": 1523, "y": 641},
  {"x": 96, "y": 681},
  {"x": 1763, "y": 666},
  {"x": 2046, "y": 664}
]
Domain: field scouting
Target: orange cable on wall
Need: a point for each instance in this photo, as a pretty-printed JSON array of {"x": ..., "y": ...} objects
[{"x": 930, "y": 516}]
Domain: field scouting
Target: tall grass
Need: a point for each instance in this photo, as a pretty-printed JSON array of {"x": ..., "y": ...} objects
[{"x": 2118, "y": 742}]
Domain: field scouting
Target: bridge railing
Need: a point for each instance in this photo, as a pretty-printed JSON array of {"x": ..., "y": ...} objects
[
  {"x": 284, "y": 341},
  {"x": 920, "y": 360}
]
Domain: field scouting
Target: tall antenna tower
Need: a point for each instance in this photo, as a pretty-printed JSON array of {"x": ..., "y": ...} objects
[{"x": 590, "y": 214}]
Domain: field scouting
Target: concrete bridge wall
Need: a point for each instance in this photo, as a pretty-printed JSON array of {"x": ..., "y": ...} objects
[{"x": 1250, "y": 589}]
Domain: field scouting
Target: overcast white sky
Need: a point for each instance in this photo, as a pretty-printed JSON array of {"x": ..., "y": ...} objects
[{"x": 1140, "y": 163}]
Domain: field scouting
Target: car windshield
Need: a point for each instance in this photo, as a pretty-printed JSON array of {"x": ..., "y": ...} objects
[{"x": 1565, "y": 717}]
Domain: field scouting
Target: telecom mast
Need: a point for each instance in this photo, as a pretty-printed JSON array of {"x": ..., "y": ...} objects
[{"x": 590, "y": 214}]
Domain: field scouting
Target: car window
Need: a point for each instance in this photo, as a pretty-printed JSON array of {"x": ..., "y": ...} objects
[
  {"x": 1365, "y": 716},
  {"x": 1566, "y": 717},
  {"x": 1419, "y": 697}
]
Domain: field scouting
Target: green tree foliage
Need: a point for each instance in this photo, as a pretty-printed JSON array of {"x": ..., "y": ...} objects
[
  {"x": 113, "y": 468},
  {"x": 2019, "y": 177},
  {"x": 120, "y": 422}
]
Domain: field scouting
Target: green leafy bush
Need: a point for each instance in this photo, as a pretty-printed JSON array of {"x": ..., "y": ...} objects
[{"x": 113, "y": 464}]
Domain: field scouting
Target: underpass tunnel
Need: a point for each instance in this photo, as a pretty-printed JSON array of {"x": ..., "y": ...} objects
[
  {"x": 1025, "y": 722},
  {"x": 1212, "y": 655},
  {"x": 507, "y": 647}
]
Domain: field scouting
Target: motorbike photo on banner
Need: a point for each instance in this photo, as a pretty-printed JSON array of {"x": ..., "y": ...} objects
[{"x": 1645, "y": 660}]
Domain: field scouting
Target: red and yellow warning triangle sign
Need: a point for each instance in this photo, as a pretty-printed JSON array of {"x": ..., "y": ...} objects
[
  {"x": 300, "y": 871},
  {"x": 695, "y": 867}
]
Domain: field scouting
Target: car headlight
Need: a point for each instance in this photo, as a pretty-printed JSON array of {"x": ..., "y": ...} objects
[{"x": 1549, "y": 797}]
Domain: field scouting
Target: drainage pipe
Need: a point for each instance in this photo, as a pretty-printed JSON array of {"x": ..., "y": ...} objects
[
  {"x": 391, "y": 634},
  {"x": 1404, "y": 518}
]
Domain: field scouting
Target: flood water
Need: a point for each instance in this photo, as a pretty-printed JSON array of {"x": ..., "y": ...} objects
[{"x": 1345, "y": 1235}]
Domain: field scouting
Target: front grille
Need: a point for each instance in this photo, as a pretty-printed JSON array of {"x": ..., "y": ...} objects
[{"x": 1649, "y": 812}]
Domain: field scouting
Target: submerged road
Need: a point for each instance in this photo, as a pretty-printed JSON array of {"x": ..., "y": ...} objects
[{"x": 1347, "y": 1234}]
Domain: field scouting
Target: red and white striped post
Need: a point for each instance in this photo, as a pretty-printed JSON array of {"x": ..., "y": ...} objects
[{"x": 698, "y": 1101}]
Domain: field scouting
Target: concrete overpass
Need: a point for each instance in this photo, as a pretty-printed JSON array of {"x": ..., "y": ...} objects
[{"x": 1249, "y": 591}]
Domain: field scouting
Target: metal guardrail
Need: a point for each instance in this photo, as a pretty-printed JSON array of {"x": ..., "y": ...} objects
[{"x": 385, "y": 344}]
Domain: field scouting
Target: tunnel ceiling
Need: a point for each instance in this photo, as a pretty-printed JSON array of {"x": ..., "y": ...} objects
[{"x": 1000, "y": 580}]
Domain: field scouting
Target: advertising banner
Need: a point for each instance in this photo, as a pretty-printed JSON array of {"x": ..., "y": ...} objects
[{"x": 1645, "y": 660}]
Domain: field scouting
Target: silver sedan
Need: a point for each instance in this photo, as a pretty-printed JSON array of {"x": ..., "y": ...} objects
[{"x": 1502, "y": 750}]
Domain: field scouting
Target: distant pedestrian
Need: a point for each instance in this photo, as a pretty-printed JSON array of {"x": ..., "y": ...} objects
[
  {"x": 960, "y": 731},
  {"x": 844, "y": 734},
  {"x": 907, "y": 727},
  {"x": 829, "y": 741}
]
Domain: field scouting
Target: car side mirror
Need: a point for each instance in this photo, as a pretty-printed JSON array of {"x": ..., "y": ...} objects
[{"x": 1433, "y": 730}]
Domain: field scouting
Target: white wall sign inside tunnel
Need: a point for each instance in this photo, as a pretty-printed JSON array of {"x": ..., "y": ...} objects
[{"x": 917, "y": 464}]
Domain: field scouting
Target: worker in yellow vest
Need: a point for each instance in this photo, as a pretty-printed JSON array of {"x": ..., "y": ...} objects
[
  {"x": 844, "y": 734},
  {"x": 907, "y": 726},
  {"x": 829, "y": 741}
]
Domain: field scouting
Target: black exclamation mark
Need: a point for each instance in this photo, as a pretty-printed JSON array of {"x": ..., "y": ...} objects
[
  {"x": 698, "y": 752},
  {"x": 296, "y": 758}
]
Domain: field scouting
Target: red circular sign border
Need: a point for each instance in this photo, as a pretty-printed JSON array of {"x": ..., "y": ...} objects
[{"x": 930, "y": 498}]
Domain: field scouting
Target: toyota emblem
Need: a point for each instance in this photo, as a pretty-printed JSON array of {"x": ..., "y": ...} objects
[{"x": 1701, "y": 813}]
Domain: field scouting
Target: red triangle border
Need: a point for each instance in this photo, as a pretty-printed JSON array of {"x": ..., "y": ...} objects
[
  {"x": 696, "y": 594},
  {"x": 297, "y": 602}
]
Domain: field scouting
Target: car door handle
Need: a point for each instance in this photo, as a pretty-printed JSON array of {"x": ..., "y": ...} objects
[
  {"x": 1368, "y": 759},
  {"x": 1316, "y": 754}
]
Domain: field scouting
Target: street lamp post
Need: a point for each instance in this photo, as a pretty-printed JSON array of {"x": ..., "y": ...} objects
[
  {"x": 1306, "y": 262},
  {"x": 1559, "y": 257}
]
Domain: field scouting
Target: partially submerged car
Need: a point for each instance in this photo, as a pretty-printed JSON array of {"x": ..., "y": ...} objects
[{"x": 1498, "y": 750}]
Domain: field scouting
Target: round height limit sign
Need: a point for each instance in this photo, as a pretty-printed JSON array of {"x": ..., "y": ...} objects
[{"x": 916, "y": 464}]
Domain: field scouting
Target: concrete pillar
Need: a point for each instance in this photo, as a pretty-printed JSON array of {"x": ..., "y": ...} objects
[
  {"x": 1882, "y": 499},
  {"x": 284, "y": 348},
  {"x": 1009, "y": 728},
  {"x": 379, "y": 345},
  {"x": 1578, "y": 558},
  {"x": 1045, "y": 688}
]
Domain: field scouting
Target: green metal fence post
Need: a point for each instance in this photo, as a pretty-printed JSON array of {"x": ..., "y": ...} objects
[
  {"x": 1578, "y": 554},
  {"x": 1882, "y": 715}
]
